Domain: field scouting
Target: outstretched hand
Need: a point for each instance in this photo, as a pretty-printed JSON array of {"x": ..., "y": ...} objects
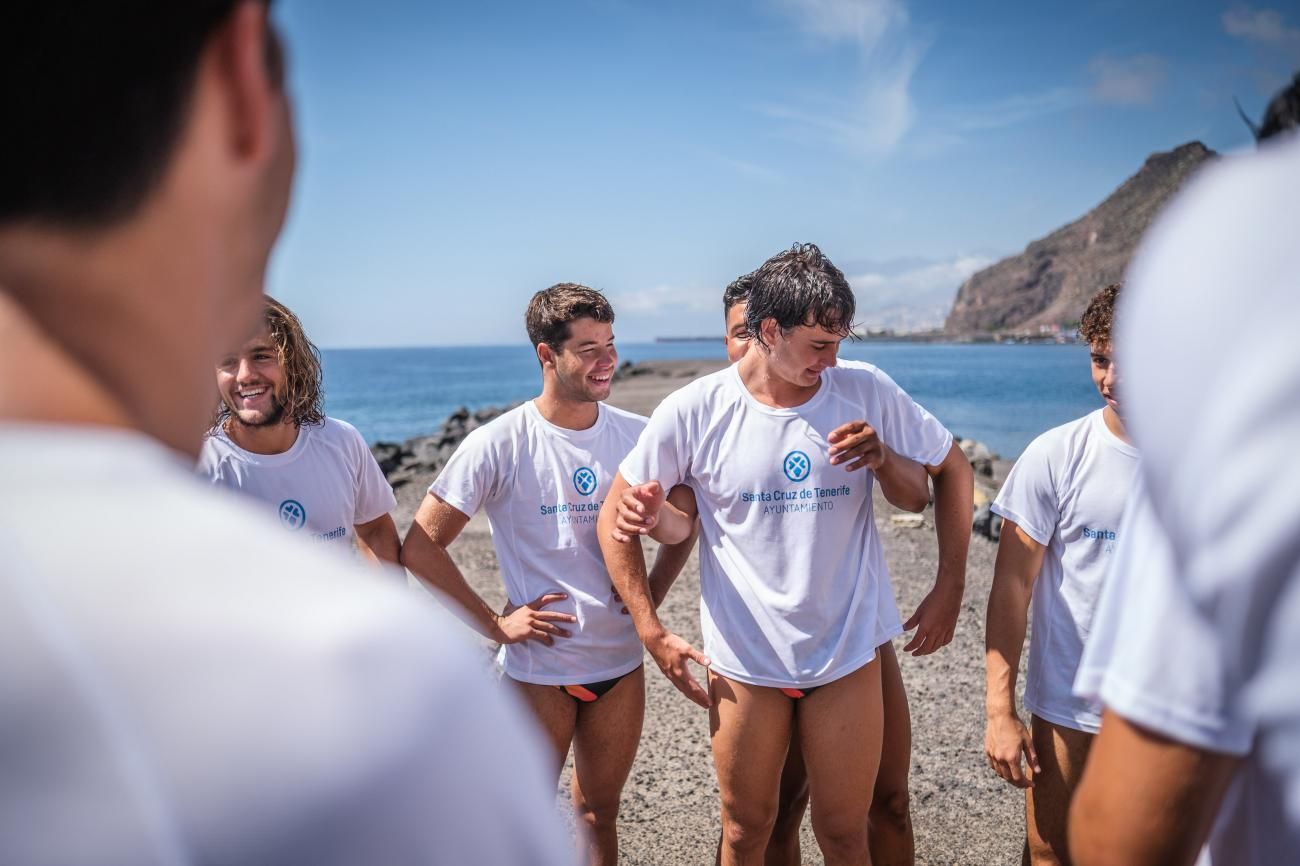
[
  {"x": 638, "y": 511},
  {"x": 935, "y": 621},
  {"x": 672, "y": 654},
  {"x": 855, "y": 445},
  {"x": 529, "y": 621}
]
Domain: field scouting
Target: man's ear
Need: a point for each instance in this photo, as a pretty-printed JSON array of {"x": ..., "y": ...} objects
[
  {"x": 769, "y": 330},
  {"x": 546, "y": 355},
  {"x": 246, "y": 60}
]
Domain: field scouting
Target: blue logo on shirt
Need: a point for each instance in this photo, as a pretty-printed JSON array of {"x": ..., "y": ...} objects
[
  {"x": 796, "y": 465},
  {"x": 292, "y": 514},
  {"x": 584, "y": 481}
]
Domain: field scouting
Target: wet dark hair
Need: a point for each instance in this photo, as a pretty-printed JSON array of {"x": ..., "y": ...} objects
[
  {"x": 736, "y": 292},
  {"x": 1099, "y": 319},
  {"x": 800, "y": 286},
  {"x": 95, "y": 95},
  {"x": 552, "y": 310}
]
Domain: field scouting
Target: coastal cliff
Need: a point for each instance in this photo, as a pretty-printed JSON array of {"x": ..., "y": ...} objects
[{"x": 1048, "y": 286}]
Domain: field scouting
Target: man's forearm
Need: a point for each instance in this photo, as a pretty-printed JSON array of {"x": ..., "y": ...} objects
[
  {"x": 625, "y": 562},
  {"x": 669, "y": 562},
  {"x": 1004, "y": 639},
  {"x": 954, "y": 487},
  {"x": 433, "y": 566},
  {"x": 903, "y": 482}
]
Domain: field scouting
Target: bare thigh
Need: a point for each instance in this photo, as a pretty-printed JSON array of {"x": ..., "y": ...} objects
[
  {"x": 605, "y": 741},
  {"x": 750, "y": 733},
  {"x": 1061, "y": 755},
  {"x": 840, "y": 729},
  {"x": 896, "y": 743},
  {"x": 557, "y": 715}
]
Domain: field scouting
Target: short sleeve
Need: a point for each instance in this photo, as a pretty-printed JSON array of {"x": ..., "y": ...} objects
[
  {"x": 472, "y": 475},
  {"x": 1028, "y": 497},
  {"x": 373, "y": 492},
  {"x": 908, "y": 428},
  {"x": 660, "y": 452}
]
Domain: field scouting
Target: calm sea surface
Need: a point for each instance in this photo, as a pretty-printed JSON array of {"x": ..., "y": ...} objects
[{"x": 1003, "y": 395}]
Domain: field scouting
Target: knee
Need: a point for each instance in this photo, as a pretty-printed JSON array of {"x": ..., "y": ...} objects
[
  {"x": 789, "y": 819},
  {"x": 891, "y": 809},
  {"x": 841, "y": 838},
  {"x": 595, "y": 811},
  {"x": 748, "y": 828}
]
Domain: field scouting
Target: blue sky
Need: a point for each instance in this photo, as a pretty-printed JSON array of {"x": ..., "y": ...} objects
[{"x": 457, "y": 157}]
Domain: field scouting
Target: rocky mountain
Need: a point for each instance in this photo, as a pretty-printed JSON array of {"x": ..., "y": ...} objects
[{"x": 1051, "y": 282}]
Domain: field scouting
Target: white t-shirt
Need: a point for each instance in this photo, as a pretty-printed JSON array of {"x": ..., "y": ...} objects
[
  {"x": 793, "y": 584},
  {"x": 322, "y": 487},
  {"x": 1213, "y": 396},
  {"x": 542, "y": 487},
  {"x": 183, "y": 684},
  {"x": 1067, "y": 492}
]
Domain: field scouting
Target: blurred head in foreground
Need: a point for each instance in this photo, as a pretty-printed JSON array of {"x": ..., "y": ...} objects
[{"x": 141, "y": 195}]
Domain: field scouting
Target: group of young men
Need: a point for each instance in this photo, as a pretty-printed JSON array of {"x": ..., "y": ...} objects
[
  {"x": 760, "y": 461},
  {"x": 256, "y": 700}
]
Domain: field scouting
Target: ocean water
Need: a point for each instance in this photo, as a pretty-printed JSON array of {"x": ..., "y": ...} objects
[{"x": 1002, "y": 395}]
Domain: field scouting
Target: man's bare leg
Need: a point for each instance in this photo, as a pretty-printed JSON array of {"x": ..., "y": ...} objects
[
  {"x": 604, "y": 746},
  {"x": 1061, "y": 753},
  {"x": 750, "y": 732},
  {"x": 792, "y": 802},
  {"x": 840, "y": 730},
  {"x": 890, "y": 824},
  {"x": 556, "y": 714}
]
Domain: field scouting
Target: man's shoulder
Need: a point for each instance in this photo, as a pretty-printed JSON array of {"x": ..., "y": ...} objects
[
  {"x": 1064, "y": 445},
  {"x": 704, "y": 392}
]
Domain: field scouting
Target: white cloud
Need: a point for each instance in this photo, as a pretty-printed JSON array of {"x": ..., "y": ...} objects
[
  {"x": 862, "y": 21},
  {"x": 1127, "y": 80},
  {"x": 881, "y": 112},
  {"x": 1016, "y": 108},
  {"x": 1264, "y": 26},
  {"x": 919, "y": 283}
]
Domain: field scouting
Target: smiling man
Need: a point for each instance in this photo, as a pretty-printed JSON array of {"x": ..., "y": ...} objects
[
  {"x": 793, "y": 580},
  {"x": 273, "y": 441},
  {"x": 1062, "y": 504},
  {"x": 541, "y": 472}
]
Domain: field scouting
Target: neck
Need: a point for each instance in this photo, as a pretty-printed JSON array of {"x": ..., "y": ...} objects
[
  {"x": 42, "y": 383},
  {"x": 566, "y": 412},
  {"x": 761, "y": 379},
  {"x": 1115, "y": 424},
  {"x": 263, "y": 439},
  {"x": 110, "y": 327}
]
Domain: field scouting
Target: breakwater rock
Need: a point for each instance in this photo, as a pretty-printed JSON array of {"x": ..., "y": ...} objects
[{"x": 424, "y": 456}]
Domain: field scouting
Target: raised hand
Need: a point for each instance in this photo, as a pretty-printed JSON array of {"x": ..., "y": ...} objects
[
  {"x": 529, "y": 621},
  {"x": 855, "y": 445}
]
